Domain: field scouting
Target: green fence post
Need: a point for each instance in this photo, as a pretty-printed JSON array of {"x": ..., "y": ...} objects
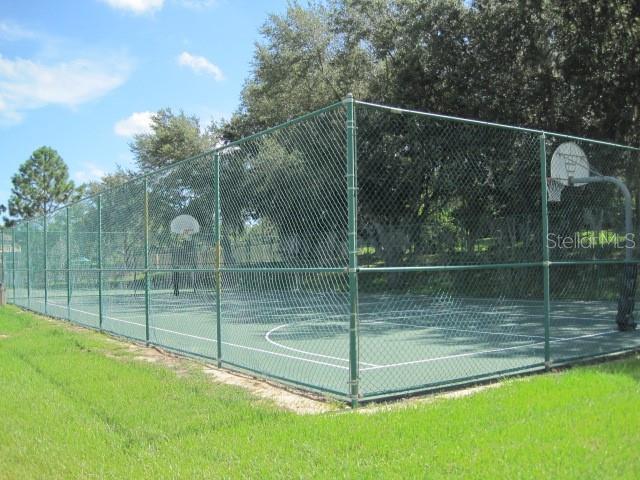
[
  {"x": 99, "y": 261},
  {"x": 68, "y": 272},
  {"x": 3, "y": 253},
  {"x": 45, "y": 264},
  {"x": 146, "y": 260},
  {"x": 352, "y": 249},
  {"x": 13, "y": 262},
  {"x": 545, "y": 250},
  {"x": 218, "y": 253},
  {"x": 28, "y": 269}
]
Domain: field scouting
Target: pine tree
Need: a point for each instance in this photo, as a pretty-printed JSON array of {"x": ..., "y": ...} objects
[{"x": 41, "y": 185}]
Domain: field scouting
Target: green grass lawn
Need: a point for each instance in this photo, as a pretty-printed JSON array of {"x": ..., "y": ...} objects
[{"x": 74, "y": 404}]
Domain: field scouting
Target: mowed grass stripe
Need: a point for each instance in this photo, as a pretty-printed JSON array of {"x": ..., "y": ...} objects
[{"x": 75, "y": 404}]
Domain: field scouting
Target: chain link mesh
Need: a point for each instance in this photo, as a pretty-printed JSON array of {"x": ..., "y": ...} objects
[
  {"x": 452, "y": 260},
  {"x": 56, "y": 262},
  {"x": 284, "y": 303},
  {"x": 36, "y": 263},
  {"x": 182, "y": 301},
  {"x": 449, "y": 217},
  {"x": 20, "y": 265},
  {"x": 587, "y": 230}
]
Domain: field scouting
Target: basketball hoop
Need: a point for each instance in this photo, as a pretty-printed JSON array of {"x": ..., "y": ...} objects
[
  {"x": 185, "y": 226},
  {"x": 569, "y": 161},
  {"x": 554, "y": 190}
]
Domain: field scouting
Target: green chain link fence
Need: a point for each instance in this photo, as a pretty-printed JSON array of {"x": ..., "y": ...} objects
[{"x": 360, "y": 251}]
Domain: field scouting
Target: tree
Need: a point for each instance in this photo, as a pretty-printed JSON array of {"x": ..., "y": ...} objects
[
  {"x": 305, "y": 62},
  {"x": 175, "y": 190},
  {"x": 172, "y": 138},
  {"x": 560, "y": 66},
  {"x": 41, "y": 185},
  {"x": 599, "y": 62},
  {"x": 110, "y": 181},
  {"x": 563, "y": 66}
]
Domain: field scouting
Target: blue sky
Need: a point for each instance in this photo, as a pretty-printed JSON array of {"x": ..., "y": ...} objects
[{"x": 82, "y": 76}]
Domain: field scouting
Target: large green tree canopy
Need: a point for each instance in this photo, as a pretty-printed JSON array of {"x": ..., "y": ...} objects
[
  {"x": 566, "y": 66},
  {"x": 570, "y": 66}
]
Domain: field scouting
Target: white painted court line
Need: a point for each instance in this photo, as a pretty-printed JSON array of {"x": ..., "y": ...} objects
[
  {"x": 277, "y": 354},
  {"x": 182, "y": 334},
  {"x": 448, "y": 357},
  {"x": 428, "y": 327},
  {"x": 371, "y": 366},
  {"x": 539, "y": 315},
  {"x": 495, "y": 350},
  {"x": 267, "y": 337},
  {"x": 309, "y": 360},
  {"x": 422, "y": 314},
  {"x": 96, "y": 315}
]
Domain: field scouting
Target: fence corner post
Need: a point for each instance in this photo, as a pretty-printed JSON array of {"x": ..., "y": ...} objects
[
  {"x": 545, "y": 250},
  {"x": 218, "y": 254},
  {"x": 352, "y": 250}
]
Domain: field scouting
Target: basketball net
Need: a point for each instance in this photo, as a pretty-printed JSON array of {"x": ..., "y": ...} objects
[{"x": 554, "y": 190}]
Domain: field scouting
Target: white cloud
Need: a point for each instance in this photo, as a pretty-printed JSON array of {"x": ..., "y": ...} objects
[
  {"x": 11, "y": 32},
  {"x": 27, "y": 84},
  {"x": 199, "y": 4},
  {"x": 90, "y": 172},
  {"x": 136, "y": 6},
  {"x": 135, "y": 124},
  {"x": 200, "y": 65}
]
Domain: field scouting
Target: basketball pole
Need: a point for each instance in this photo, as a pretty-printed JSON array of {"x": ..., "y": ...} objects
[{"x": 626, "y": 299}]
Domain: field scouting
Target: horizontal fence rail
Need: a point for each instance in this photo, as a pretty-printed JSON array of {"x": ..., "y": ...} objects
[{"x": 360, "y": 251}]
